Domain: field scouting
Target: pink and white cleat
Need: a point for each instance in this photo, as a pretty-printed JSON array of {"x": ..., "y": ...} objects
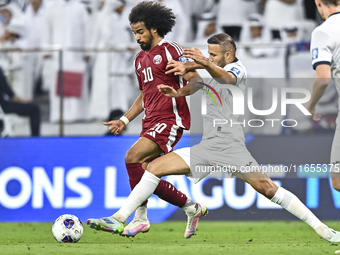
[
  {"x": 201, "y": 210},
  {"x": 136, "y": 226}
]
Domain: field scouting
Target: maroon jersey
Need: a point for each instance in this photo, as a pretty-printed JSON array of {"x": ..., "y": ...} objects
[{"x": 150, "y": 67}]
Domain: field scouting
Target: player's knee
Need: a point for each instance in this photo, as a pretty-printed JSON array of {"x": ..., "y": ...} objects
[
  {"x": 132, "y": 157},
  {"x": 152, "y": 168}
]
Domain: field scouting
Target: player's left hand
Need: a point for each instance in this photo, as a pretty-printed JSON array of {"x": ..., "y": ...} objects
[
  {"x": 196, "y": 55},
  {"x": 167, "y": 90},
  {"x": 314, "y": 116}
]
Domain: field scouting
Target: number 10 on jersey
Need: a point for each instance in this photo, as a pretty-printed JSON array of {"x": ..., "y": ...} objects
[{"x": 147, "y": 74}]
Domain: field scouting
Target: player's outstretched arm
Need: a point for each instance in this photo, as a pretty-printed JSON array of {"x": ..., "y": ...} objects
[
  {"x": 194, "y": 85},
  {"x": 218, "y": 73},
  {"x": 168, "y": 91},
  {"x": 180, "y": 68},
  {"x": 322, "y": 79},
  {"x": 116, "y": 126}
]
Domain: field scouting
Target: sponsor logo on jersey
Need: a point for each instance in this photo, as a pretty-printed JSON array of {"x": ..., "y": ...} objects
[
  {"x": 315, "y": 53},
  {"x": 183, "y": 59},
  {"x": 139, "y": 66},
  {"x": 235, "y": 70},
  {"x": 157, "y": 59}
]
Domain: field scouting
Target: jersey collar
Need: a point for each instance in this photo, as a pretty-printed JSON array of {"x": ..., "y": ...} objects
[
  {"x": 334, "y": 14},
  {"x": 235, "y": 60},
  {"x": 159, "y": 44}
]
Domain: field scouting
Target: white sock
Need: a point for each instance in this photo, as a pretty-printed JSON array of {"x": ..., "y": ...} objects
[
  {"x": 141, "y": 213},
  {"x": 293, "y": 205},
  {"x": 189, "y": 207},
  {"x": 142, "y": 191}
]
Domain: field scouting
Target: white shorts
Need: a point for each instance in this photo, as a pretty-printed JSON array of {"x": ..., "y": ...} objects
[{"x": 207, "y": 157}]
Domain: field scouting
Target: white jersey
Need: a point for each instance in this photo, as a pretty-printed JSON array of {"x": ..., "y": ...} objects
[
  {"x": 224, "y": 112},
  {"x": 222, "y": 146},
  {"x": 325, "y": 47}
]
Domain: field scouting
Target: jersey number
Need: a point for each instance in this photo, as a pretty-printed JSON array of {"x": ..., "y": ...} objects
[
  {"x": 147, "y": 74},
  {"x": 159, "y": 127}
]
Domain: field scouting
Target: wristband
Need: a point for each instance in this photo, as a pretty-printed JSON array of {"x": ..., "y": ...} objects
[{"x": 125, "y": 120}]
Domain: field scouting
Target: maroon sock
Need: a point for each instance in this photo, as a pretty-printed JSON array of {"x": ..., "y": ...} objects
[
  {"x": 135, "y": 172},
  {"x": 165, "y": 190},
  {"x": 168, "y": 192}
]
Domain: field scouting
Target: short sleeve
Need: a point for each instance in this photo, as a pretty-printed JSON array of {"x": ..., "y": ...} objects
[
  {"x": 175, "y": 52},
  {"x": 137, "y": 66},
  {"x": 321, "y": 46},
  {"x": 237, "y": 71}
]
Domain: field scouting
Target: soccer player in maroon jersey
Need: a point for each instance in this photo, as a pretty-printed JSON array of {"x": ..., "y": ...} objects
[{"x": 165, "y": 118}]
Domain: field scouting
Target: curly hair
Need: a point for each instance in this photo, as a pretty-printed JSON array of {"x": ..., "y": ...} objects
[{"x": 154, "y": 15}]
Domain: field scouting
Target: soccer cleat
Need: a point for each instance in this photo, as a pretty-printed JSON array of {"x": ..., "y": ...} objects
[
  {"x": 136, "y": 226},
  {"x": 201, "y": 210},
  {"x": 330, "y": 235},
  {"x": 107, "y": 224}
]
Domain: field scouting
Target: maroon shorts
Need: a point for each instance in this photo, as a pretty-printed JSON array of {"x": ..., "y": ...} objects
[{"x": 165, "y": 133}]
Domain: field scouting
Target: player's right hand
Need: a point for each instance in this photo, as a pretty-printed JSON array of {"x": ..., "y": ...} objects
[
  {"x": 314, "y": 116},
  {"x": 175, "y": 67},
  {"x": 115, "y": 126}
]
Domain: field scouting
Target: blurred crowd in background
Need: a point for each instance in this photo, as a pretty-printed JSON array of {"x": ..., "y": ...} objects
[{"x": 99, "y": 47}]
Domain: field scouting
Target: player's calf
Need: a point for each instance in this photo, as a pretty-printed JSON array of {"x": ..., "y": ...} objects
[{"x": 336, "y": 181}]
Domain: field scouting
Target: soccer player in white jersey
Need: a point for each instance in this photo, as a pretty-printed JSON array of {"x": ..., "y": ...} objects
[
  {"x": 325, "y": 49},
  {"x": 221, "y": 145}
]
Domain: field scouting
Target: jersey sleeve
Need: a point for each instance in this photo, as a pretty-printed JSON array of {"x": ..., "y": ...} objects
[
  {"x": 321, "y": 46},
  {"x": 175, "y": 52},
  {"x": 136, "y": 65},
  {"x": 237, "y": 71}
]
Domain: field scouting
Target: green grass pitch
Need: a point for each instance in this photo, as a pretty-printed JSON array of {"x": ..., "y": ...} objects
[{"x": 223, "y": 237}]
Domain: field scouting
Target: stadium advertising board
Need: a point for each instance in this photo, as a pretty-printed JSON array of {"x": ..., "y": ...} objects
[{"x": 41, "y": 179}]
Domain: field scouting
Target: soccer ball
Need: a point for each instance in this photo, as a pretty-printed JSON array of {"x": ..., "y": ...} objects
[{"x": 67, "y": 229}]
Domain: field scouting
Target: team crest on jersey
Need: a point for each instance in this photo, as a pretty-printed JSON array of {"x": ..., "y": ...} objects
[
  {"x": 315, "y": 53},
  {"x": 235, "y": 70},
  {"x": 157, "y": 59}
]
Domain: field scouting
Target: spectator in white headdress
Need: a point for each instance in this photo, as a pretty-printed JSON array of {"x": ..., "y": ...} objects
[
  {"x": 278, "y": 12},
  {"x": 231, "y": 15},
  {"x": 12, "y": 62},
  {"x": 33, "y": 18},
  {"x": 254, "y": 32},
  {"x": 206, "y": 27},
  {"x": 65, "y": 25}
]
